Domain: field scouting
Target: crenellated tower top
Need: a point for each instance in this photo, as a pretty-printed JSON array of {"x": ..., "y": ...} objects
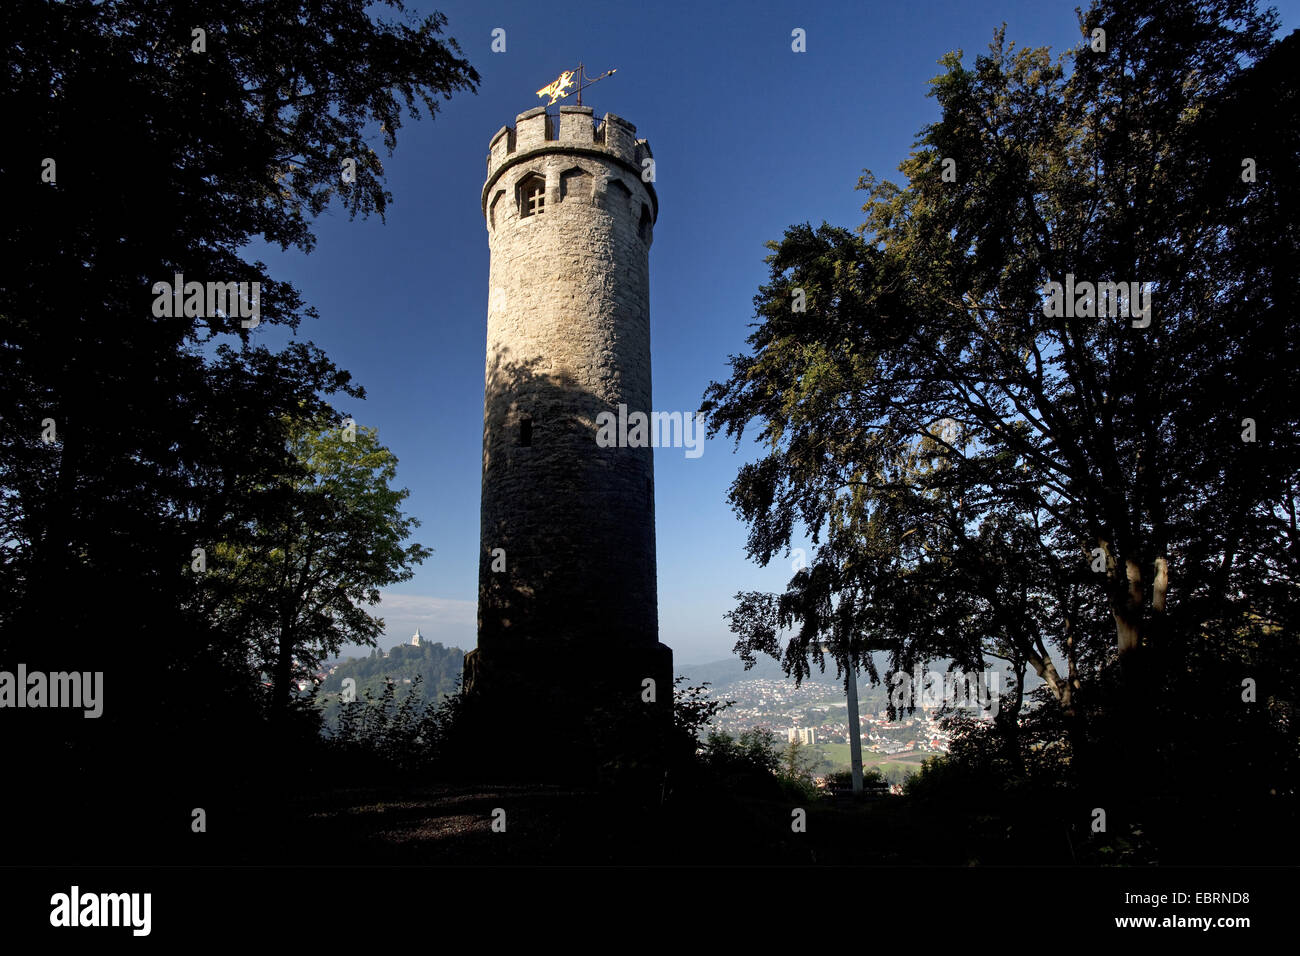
[{"x": 573, "y": 131}]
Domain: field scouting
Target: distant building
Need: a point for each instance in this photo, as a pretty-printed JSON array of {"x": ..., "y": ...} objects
[
  {"x": 805, "y": 735},
  {"x": 415, "y": 641}
]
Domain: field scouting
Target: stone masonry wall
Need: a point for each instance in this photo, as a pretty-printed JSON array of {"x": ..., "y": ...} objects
[{"x": 568, "y": 338}]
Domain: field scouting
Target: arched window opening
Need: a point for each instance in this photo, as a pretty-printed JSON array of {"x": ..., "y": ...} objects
[
  {"x": 532, "y": 196},
  {"x": 617, "y": 195},
  {"x": 575, "y": 183}
]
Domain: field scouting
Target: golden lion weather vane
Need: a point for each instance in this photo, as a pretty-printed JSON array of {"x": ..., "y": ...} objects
[{"x": 559, "y": 88}]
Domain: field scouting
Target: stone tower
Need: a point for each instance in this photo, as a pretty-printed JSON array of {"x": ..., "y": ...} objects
[{"x": 567, "y": 610}]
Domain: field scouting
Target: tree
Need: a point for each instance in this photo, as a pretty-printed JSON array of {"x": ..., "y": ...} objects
[
  {"x": 298, "y": 584},
  {"x": 873, "y": 780},
  {"x": 155, "y": 438},
  {"x": 753, "y": 752},
  {"x": 986, "y": 474},
  {"x": 797, "y": 763},
  {"x": 170, "y": 153}
]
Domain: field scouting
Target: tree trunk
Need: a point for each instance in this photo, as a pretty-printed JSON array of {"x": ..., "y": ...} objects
[
  {"x": 283, "y": 676},
  {"x": 1008, "y": 720},
  {"x": 1061, "y": 690},
  {"x": 1127, "y": 610}
]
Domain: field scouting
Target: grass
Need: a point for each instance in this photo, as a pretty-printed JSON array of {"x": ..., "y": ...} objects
[{"x": 838, "y": 754}]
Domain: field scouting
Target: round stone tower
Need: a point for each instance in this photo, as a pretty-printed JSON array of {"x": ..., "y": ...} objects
[{"x": 567, "y": 592}]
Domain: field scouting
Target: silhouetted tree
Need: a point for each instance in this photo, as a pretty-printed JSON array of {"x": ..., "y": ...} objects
[
  {"x": 985, "y": 474},
  {"x": 150, "y": 140}
]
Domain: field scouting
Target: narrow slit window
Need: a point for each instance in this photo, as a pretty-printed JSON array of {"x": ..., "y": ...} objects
[{"x": 525, "y": 432}]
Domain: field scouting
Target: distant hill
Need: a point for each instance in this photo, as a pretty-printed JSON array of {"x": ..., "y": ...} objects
[
  {"x": 439, "y": 667},
  {"x": 729, "y": 670}
]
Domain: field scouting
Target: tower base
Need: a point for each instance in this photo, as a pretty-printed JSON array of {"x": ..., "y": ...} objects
[{"x": 566, "y": 714}]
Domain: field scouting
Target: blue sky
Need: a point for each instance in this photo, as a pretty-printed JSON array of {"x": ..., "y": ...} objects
[{"x": 748, "y": 136}]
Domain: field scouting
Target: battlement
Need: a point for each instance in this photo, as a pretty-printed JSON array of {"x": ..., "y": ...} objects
[{"x": 574, "y": 128}]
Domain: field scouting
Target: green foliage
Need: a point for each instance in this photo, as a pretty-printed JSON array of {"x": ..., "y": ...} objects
[
  {"x": 171, "y": 432},
  {"x": 296, "y": 585},
  {"x": 957, "y": 452},
  {"x": 649, "y": 752},
  {"x": 387, "y": 734},
  {"x": 747, "y": 765},
  {"x": 439, "y": 666},
  {"x": 873, "y": 780},
  {"x": 693, "y": 708},
  {"x": 438, "y": 669},
  {"x": 753, "y": 765},
  {"x": 753, "y": 752},
  {"x": 795, "y": 771}
]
